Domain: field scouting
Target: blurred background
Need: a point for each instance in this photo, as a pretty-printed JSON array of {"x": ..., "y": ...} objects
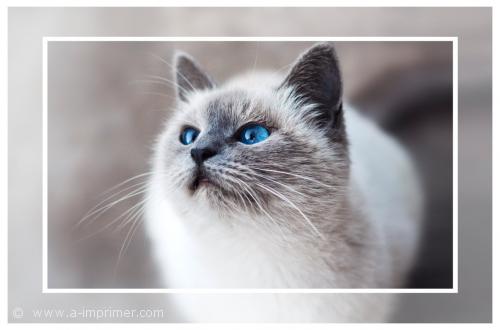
[
  {"x": 108, "y": 101},
  {"x": 103, "y": 118}
]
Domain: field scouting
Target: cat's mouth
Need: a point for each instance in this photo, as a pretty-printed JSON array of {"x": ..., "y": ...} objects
[{"x": 200, "y": 180}]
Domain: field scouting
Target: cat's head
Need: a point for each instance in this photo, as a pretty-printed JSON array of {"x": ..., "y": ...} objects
[{"x": 259, "y": 144}]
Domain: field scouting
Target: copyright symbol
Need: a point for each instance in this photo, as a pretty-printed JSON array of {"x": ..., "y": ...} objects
[{"x": 17, "y": 312}]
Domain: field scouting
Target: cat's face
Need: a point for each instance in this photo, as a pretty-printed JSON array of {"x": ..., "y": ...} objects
[{"x": 263, "y": 146}]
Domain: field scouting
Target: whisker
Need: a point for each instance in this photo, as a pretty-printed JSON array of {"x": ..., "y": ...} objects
[
  {"x": 126, "y": 242},
  {"x": 250, "y": 191},
  {"x": 98, "y": 212},
  {"x": 93, "y": 210},
  {"x": 277, "y": 182},
  {"x": 256, "y": 58},
  {"x": 157, "y": 94},
  {"x": 101, "y": 208},
  {"x": 129, "y": 218},
  {"x": 126, "y": 181},
  {"x": 175, "y": 71},
  {"x": 153, "y": 82},
  {"x": 284, "y": 67},
  {"x": 125, "y": 214},
  {"x": 295, "y": 175},
  {"x": 277, "y": 194},
  {"x": 242, "y": 170},
  {"x": 166, "y": 80},
  {"x": 137, "y": 222},
  {"x": 276, "y": 224}
]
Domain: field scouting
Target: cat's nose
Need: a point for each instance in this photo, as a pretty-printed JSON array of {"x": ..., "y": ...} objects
[{"x": 199, "y": 155}]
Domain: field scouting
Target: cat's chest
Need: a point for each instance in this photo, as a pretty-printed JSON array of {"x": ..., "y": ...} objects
[{"x": 216, "y": 255}]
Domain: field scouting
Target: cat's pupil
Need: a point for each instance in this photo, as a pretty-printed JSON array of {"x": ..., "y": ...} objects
[{"x": 252, "y": 136}]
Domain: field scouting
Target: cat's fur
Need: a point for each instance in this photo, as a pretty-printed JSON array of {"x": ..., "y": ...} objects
[{"x": 327, "y": 201}]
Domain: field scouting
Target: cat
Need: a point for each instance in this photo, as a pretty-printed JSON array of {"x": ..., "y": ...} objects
[{"x": 270, "y": 181}]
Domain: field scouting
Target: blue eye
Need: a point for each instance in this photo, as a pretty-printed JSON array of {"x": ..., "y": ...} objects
[
  {"x": 188, "y": 135},
  {"x": 253, "y": 133}
]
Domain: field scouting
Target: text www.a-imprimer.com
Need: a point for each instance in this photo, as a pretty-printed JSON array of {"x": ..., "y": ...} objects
[{"x": 98, "y": 313}]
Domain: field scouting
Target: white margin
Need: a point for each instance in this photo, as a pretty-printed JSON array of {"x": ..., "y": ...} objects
[
  {"x": 253, "y": 3},
  {"x": 46, "y": 40},
  {"x": 44, "y": 163},
  {"x": 4, "y": 162},
  {"x": 455, "y": 164}
]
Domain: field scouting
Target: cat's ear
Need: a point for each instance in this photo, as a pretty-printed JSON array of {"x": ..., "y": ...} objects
[
  {"x": 189, "y": 76},
  {"x": 315, "y": 79}
]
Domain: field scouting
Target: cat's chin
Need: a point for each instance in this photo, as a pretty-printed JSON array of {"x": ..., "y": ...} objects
[{"x": 206, "y": 189}]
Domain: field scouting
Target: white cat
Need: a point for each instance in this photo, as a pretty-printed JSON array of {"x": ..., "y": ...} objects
[{"x": 271, "y": 182}]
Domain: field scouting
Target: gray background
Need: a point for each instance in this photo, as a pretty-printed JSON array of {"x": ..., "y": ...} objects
[{"x": 27, "y": 26}]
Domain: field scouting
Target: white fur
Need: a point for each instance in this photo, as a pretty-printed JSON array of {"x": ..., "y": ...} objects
[{"x": 195, "y": 250}]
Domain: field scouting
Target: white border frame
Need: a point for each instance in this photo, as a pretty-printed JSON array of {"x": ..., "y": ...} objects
[{"x": 46, "y": 40}]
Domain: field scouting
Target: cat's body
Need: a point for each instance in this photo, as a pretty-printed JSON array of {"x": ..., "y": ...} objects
[{"x": 340, "y": 215}]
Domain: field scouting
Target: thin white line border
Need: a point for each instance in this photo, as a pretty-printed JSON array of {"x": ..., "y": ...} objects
[{"x": 46, "y": 40}]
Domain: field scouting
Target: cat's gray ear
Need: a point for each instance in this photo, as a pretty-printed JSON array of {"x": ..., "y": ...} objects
[
  {"x": 189, "y": 77},
  {"x": 315, "y": 79}
]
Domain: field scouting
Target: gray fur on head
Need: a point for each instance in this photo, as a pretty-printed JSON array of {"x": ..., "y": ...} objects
[{"x": 296, "y": 177}]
